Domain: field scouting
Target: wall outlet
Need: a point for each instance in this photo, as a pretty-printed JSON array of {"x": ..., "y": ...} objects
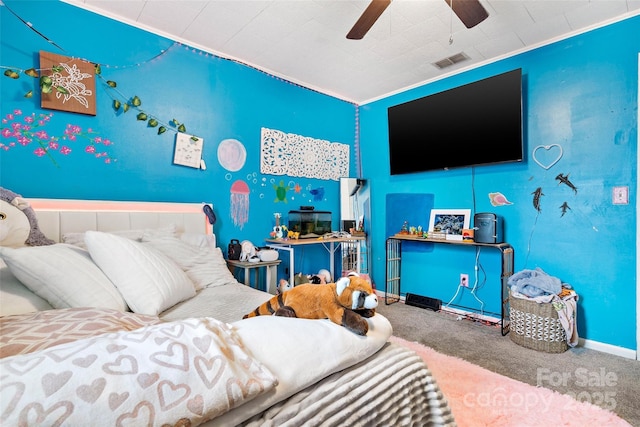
[{"x": 464, "y": 280}]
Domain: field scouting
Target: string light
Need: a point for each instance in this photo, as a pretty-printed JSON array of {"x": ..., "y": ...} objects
[
  {"x": 30, "y": 26},
  {"x": 160, "y": 54}
]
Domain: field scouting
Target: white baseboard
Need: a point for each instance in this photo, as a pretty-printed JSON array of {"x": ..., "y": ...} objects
[{"x": 627, "y": 353}]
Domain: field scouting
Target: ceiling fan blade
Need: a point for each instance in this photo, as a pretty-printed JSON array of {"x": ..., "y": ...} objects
[
  {"x": 368, "y": 18},
  {"x": 470, "y": 12}
]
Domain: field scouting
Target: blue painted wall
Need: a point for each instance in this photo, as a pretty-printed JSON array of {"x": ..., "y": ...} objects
[
  {"x": 216, "y": 99},
  {"x": 580, "y": 93}
]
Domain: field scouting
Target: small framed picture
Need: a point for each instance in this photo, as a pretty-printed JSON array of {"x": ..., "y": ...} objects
[
  {"x": 449, "y": 221},
  {"x": 188, "y": 150}
]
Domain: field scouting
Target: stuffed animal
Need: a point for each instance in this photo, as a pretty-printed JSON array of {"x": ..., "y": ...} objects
[
  {"x": 283, "y": 285},
  {"x": 18, "y": 222},
  {"x": 346, "y": 302}
]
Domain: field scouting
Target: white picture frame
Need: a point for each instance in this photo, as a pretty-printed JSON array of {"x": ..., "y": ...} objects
[{"x": 449, "y": 221}]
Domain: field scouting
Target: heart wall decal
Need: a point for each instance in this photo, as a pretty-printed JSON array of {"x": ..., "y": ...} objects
[{"x": 550, "y": 155}]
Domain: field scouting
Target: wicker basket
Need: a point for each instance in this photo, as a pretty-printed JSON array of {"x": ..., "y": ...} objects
[{"x": 536, "y": 325}]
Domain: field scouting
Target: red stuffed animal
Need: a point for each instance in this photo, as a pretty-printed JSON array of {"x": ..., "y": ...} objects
[{"x": 346, "y": 302}]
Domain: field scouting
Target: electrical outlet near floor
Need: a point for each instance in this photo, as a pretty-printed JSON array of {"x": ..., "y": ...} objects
[{"x": 464, "y": 280}]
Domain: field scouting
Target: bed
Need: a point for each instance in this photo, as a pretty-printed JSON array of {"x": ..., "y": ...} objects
[{"x": 132, "y": 318}]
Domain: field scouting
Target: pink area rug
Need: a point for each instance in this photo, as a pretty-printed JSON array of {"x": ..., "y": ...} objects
[{"x": 479, "y": 397}]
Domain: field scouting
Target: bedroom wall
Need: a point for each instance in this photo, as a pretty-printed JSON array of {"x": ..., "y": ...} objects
[
  {"x": 216, "y": 99},
  {"x": 580, "y": 93}
]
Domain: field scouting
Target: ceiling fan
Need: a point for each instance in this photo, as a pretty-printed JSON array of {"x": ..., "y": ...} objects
[{"x": 470, "y": 12}]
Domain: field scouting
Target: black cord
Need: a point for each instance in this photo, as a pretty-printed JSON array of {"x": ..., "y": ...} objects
[{"x": 28, "y": 24}]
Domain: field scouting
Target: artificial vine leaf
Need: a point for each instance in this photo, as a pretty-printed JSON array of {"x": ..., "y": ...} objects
[
  {"x": 161, "y": 130},
  {"x": 125, "y": 107},
  {"x": 111, "y": 83},
  {"x": 136, "y": 102},
  {"x": 182, "y": 128},
  {"x": 141, "y": 116},
  {"x": 45, "y": 84},
  {"x": 62, "y": 90},
  {"x": 98, "y": 69},
  {"x": 194, "y": 138},
  {"x": 116, "y": 104},
  {"x": 57, "y": 68},
  {"x": 174, "y": 122},
  {"x": 28, "y": 94},
  {"x": 12, "y": 74},
  {"x": 153, "y": 123},
  {"x": 31, "y": 72}
]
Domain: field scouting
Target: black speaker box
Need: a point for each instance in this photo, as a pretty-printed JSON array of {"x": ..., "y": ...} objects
[
  {"x": 347, "y": 224},
  {"x": 488, "y": 228},
  {"x": 423, "y": 302}
]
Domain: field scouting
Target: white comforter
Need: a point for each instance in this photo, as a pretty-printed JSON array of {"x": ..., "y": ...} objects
[{"x": 301, "y": 352}]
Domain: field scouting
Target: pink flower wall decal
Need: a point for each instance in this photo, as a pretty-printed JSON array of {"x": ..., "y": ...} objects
[{"x": 25, "y": 130}]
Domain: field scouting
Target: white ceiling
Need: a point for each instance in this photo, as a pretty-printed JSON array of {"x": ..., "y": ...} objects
[{"x": 304, "y": 40}]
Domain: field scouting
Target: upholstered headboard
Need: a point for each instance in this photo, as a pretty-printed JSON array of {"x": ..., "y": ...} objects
[{"x": 59, "y": 216}]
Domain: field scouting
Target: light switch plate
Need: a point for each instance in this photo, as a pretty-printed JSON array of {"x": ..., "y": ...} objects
[{"x": 621, "y": 195}]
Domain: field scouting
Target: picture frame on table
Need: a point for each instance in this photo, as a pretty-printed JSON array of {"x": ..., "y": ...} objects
[{"x": 451, "y": 222}]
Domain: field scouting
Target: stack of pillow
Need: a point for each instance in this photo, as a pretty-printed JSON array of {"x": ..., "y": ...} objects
[{"x": 143, "y": 271}]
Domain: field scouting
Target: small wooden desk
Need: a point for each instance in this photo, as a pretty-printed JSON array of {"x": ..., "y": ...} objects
[
  {"x": 271, "y": 269},
  {"x": 330, "y": 244}
]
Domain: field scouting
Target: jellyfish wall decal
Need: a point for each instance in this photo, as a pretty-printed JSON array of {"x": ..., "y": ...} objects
[{"x": 239, "y": 203}]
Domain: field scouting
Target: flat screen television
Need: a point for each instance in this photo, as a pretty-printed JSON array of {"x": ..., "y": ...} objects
[{"x": 479, "y": 123}]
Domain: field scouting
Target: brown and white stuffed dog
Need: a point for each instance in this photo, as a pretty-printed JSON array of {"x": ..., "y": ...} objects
[{"x": 345, "y": 303}]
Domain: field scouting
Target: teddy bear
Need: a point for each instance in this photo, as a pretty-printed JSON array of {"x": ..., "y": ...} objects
[
  {"x": 18, "y": 222},
  {"x": 346, "y": 303}
]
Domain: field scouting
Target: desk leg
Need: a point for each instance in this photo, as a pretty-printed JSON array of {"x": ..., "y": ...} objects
[
  {"x": 292, "y": 267},
  {"x": 332, "y": 261},
  {"x": 247, "y": 279},
  {"x": 271, "y": 278}
]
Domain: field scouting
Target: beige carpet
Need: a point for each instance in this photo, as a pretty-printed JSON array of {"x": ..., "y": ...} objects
[{"x": 479, "y": 397}]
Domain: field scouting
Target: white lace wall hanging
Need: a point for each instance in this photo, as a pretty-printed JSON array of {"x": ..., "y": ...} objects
[{"x": 294, "y": 155}]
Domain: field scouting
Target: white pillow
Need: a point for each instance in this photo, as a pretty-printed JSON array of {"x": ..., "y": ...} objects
[
  {"x": 204, "y": 265},
  {"x": 64, "y": 275},
  {"x": 149, "y": 281},
  {"x": 198, "y": 239},
  {"x": 77, "y": 238},
  {"x": 16, "y": 298}
]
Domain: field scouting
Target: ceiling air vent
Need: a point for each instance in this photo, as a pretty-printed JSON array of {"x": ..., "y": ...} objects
[{"x": 453, "y": 59}]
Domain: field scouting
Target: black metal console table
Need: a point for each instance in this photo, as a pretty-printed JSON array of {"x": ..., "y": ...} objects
[{"x": 393, "y": 270}]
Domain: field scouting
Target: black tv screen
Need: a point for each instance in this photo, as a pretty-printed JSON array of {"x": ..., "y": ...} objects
[{"x": 475, "y": 124}]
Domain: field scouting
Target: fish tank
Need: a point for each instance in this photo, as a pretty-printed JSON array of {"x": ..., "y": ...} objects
[{"x": 310, "y": 223}]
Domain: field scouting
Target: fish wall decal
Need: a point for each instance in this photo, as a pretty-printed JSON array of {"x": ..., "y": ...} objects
[
  {"x": 564, "y": 179},
  {"x": 536, "y": 198}
]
